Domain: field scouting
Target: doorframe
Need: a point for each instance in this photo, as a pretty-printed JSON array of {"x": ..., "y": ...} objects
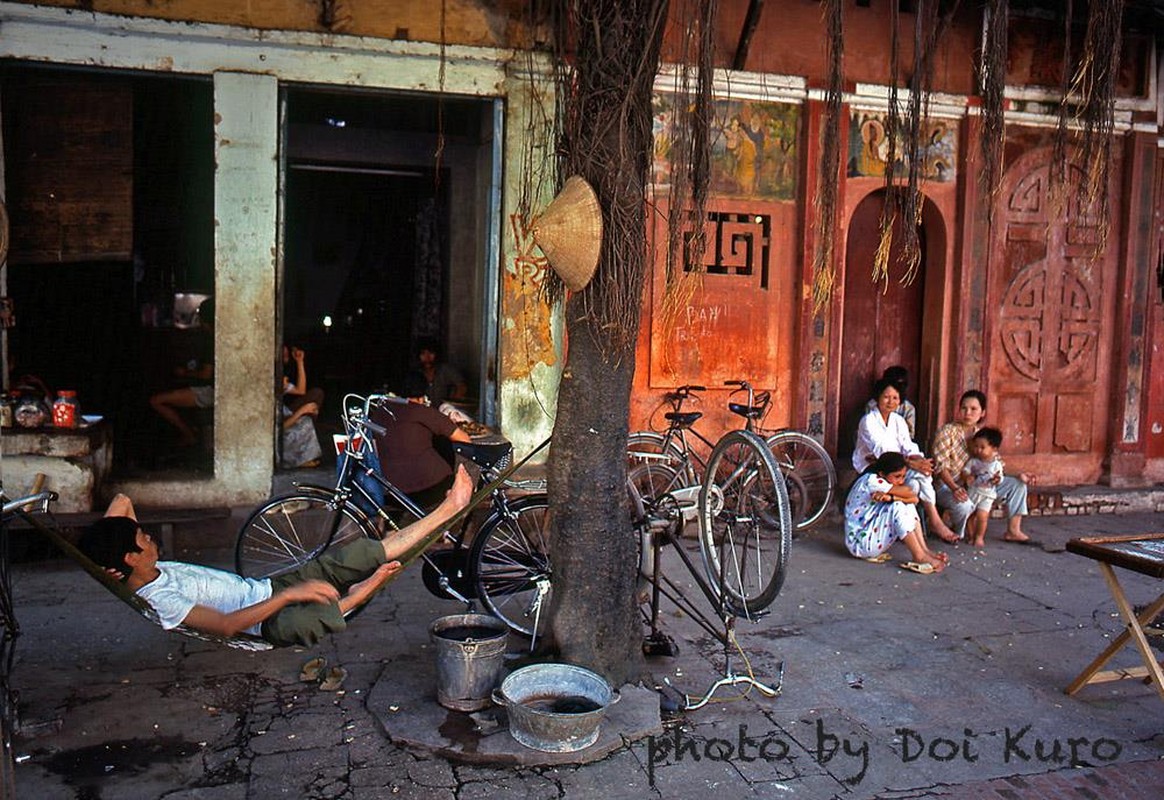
[{"x": 939, "y": 322}]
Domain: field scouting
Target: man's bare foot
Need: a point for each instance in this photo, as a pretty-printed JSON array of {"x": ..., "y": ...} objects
[{"x": 1011, "y": 536}]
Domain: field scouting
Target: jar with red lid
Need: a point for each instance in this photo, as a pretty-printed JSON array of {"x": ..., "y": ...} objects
[{"x": 66, "y": 412}]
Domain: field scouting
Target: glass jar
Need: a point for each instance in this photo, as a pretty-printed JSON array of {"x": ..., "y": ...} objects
[{"x": 66, "y": 413}]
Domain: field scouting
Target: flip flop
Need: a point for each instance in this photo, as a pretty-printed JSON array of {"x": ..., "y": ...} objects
[
  {"x": 333, "y": 680},
  {"x": 313, "y": 669},
  {"x": 880, "y": 559},
  {"x": 1028, "y": 542},
  {"x": 921, "y": 568}
]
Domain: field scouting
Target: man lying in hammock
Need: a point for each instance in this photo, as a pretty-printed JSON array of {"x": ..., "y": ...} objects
[{"x": 297, "y": 608}]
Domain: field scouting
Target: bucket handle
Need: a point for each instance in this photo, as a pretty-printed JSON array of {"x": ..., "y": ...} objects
[{"x": 615, "y": 696}]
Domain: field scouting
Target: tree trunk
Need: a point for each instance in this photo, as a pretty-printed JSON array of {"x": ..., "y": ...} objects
[
  {"x": 606, "y": 137},
  {"x": 595, "y": 619}
]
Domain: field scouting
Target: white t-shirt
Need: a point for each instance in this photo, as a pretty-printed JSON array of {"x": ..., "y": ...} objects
[
  {"x": 876, "y": 436},
  {"x": 180, "y": 587},
  {"x": 982, "y": 475}
]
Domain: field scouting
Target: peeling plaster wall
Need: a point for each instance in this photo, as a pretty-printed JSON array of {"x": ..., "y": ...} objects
[
  {"x": 531, "y": 333},
  {"x": 499, "y": 23}
]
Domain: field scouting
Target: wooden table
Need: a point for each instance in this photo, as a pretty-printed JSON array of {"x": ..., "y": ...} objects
[{"x": 1143, "y": 553}]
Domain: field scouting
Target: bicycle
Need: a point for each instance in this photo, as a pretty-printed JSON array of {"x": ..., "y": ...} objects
[
  {"x": 505, "y": 564},
  {"x": 808, "y": 469},
  {"x": 37, "y": 501},
  {"x": 744, "y": 541},
  {"x": 809, "y": 473}
]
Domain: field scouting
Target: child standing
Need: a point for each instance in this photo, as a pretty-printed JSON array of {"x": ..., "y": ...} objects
[
  {"x": 881, "y": 510},
  {"x": 981, "y": 477}
]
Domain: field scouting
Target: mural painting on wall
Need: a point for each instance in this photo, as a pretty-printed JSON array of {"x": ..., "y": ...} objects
[
  {"x": 753, "y": 148},
  {"x": 869, "y": 148},
  {"x": 725, "y": 329}
]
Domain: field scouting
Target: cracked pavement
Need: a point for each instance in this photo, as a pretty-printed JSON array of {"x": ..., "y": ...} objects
[{"x": 896, "y": 685}]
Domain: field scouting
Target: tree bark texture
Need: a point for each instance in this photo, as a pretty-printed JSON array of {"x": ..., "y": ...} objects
[{"x": 607, "y": 139}]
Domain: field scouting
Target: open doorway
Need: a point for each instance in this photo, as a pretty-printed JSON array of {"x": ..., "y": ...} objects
[{"x": 386, "y": 241}]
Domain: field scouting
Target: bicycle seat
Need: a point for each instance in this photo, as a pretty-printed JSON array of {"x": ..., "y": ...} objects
[
  {"x": 748, "y": 412},
  {"x": 485, "y": 455},
  {"x": 683, "y": 419}
]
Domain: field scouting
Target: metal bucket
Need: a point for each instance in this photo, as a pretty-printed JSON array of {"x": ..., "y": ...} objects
[
  {"x": 555, "y": 708},
  {"x": 470, "y": 652}
]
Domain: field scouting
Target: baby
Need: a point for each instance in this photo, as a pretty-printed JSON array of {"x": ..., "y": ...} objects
[{"x": 981, "y": 477}]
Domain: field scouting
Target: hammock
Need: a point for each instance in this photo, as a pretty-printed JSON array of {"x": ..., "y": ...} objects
[
  {"x": 243, "y": 641},
  {"x": 121, "y": 591}
]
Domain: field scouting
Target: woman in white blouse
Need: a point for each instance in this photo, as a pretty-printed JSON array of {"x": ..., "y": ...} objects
[{"x": 881, "y": 430}]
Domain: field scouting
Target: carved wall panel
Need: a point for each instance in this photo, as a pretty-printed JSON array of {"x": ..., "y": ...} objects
[{"x": 1051, "y": 292}]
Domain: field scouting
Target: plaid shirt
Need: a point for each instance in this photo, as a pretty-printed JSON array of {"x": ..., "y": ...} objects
[{"x": 950, "y": 451}]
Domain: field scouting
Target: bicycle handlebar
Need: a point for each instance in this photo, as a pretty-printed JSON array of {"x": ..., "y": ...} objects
[{"x": 23, "y": 503}]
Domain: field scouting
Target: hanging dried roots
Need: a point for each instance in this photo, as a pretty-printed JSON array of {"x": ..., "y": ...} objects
[{"x": 824, "y": 260}]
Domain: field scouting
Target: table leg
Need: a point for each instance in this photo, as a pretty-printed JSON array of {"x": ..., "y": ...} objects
[{"x": 1134, "y": 630}]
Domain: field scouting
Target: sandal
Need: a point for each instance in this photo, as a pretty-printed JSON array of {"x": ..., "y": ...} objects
[
  {"x": 920, "y": 567},
  {"x": 333, "y": 680},
  {"x": 880, "y": 559},
  {"x": 313, "y": 669}
]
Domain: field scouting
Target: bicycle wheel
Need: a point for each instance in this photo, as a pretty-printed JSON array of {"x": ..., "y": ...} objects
[
  {"x": 290, "y": 531},
  {"x": 510, "y": 562},
  {"x": 653, "y": 481},
  {"x": 746, "y": 541},
  {"x": 810, "y": 475},
  {"x": 647, "y": 448}
]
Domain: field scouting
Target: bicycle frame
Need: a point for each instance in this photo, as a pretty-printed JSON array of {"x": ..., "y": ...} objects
[
  {"x": 661, "y": 525},
  {"x": 354, "y": 458},
  {"x": 664, "y": 586}
]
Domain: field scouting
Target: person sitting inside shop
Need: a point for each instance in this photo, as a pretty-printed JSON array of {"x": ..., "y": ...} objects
[
  {"x": 199, "y": 373},
  {"x": 297, "y": 608},
  {"x": 433, "y": 378},
  {"x": 301, "y": 405}
]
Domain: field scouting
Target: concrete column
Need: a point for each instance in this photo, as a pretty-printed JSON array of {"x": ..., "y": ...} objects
[
  {"x": 246, "y": 147},
  {"x": 530, "y": 332}
]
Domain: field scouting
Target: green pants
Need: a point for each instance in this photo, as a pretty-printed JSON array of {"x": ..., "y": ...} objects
[{"x": 307, "y": 623}]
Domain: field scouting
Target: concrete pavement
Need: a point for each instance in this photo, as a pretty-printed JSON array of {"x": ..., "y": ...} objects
[{"x": 896, "y": 685}]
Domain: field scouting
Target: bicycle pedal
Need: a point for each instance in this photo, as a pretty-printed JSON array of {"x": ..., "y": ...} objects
[
  {"x": 660, "y": 644},
  {"x": 671, "y": 700}
]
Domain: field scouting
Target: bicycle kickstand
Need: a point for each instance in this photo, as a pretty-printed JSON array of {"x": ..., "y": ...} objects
[{"x": 730, "y": 678}]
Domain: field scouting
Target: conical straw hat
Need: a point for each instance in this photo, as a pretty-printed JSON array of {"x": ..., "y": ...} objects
[{"x": 569, "y": 232}]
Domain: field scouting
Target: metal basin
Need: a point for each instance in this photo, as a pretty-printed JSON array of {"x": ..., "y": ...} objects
[{"x": 555, "y": 708}]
